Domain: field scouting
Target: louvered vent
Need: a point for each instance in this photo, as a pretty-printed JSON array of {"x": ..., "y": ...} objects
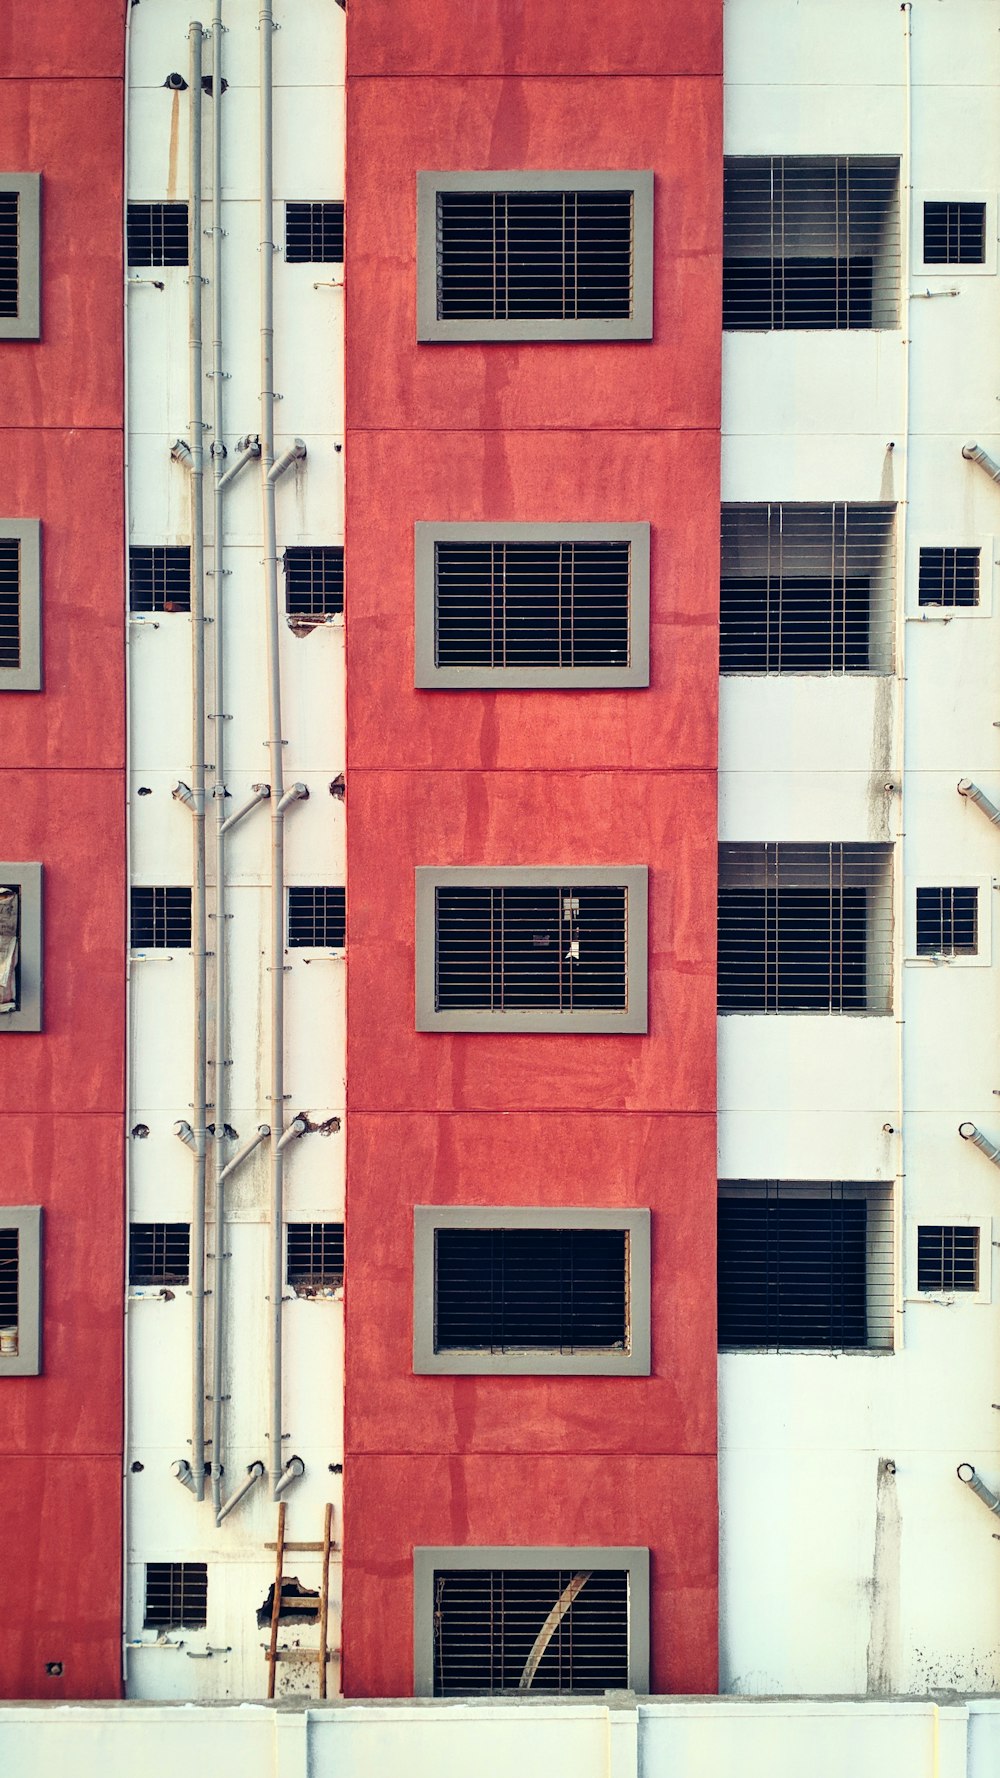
[
  {"x": 9, "y": 1240},
  {"x": 157, "y": 234},
  {"x": 503, "y": 950},
  {"x": 314, "y": 581},
  {"x": 159, "y": 1253},
  {"x": 315, "y": 1258},
  {"x": 314, "y": 233},
  {"x": 176, "y": 1596},
  {"x": 947, "y": 1258},
  {"x": 531, "y": 604},
  {"x": 810, "y": 243},
  {"x": 161, "y": 917},
  {"x": 159, "y": 578},
  {"x": 552, "y": 1290},
  {"x": 8, "y": 254},
  {"x": 807, "y": 588},
  {"x": 954, "y": 233},
  {"x": 543, "y": 1630},
  {"x": 534, "y": 255},
  {"x": 947, "y": 922},
  {"x": 805, "y": 928},
  {"x": 10, "y": 599},
  {"x": 805, "y": 1266},
  {"x": 317, "y": 917},
  {"x": 949, "y": 576}
]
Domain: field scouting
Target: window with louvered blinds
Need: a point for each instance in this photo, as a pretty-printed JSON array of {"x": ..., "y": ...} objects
[{"x": 538, "y": 1630}]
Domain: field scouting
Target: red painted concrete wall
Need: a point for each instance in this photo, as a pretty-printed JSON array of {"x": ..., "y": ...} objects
[
  {"x": 63, "y": 799},
  {"x": 624, "y": 431}
]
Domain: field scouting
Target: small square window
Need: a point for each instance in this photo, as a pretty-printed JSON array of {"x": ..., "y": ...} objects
[
  {"x": 314, "y": 233},
  {"x": 159, "y": 577},
  {"x": 315, "y": 1257},
  {"x": 20, "y": 947},
  {"x": 947, "y": 1257},
  {"x": 20, "y": 605},
  {"x": 949, "y": 576},
  {"x": 317, "y": 917},
  {"x": 157, "y": 234},
  {"x": 947, "y": 922},
  {"x": 954, "y": 233},
  {"x": 161, "y": 917},
  {"x": 20, "y": 1291},
  {"x": 20, "y": 294},
  {"x": 176, "y": 1596},
  {"x": 159, "y": 1253},
  {"x": 314, "y": 581}
]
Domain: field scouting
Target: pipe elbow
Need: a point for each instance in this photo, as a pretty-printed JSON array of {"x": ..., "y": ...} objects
[
  {"x": 293, "y": 1469},
  {"x": 967, "y": 1132},
  {"x": 964, "y": 786},
  {"x": 183, "y": 1473},
  {"x": 182, "y": 793},
  {"x": 296, "y": 793},
  {"x": 181, "y": 452}
]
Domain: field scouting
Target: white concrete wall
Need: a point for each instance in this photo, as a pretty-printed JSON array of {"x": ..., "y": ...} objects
[{"x": 163, "y": 1521}]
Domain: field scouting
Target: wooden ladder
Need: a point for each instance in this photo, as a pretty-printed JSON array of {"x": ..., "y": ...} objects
[{"x": 274, "y": 1653}]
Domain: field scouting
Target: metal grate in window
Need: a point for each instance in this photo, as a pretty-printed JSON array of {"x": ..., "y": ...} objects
[
  {"x": 160, "y": 917},
  {"x": 498, "y": 1290},
  {"x": 9, "y": 1257},
  {"x": 8, "y": 254},
  {"x": 314, "y": 581},
  {"x": 954, "y": 233},
  {"x": 807, "y": 588},
  {"x": 805, "y": 928},
  {"x": 947, "y": 1258},
  {"x": 159, "y": 1253},
  {"x": 159, "y": 577},
  {"x": 534, "y": 255},
  {"x": 317, "y": 917},
  {"x": 531, "y": 604},
  {"x": 157, "y": 234},
  {"x": 949, "y": 576},
  {"x": 947, "y": 922},
  {"x": 10, "y": 600},
  {"x": 543, "y": 1630},
  {"x": 804, "y": 1265},
  {"x": 522, "y": 949},
  {"x": 176, "y": 1596},
  {"x": 314, "y": 233},
  {"x": 810, "y": 242},
  {"x": 315, "y": 1256}
]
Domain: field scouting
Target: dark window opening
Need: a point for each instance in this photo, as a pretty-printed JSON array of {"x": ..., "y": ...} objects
[
  {"x": 947, "y": 922},
  {"x": 10, "y": 600},
  {"x": 157, "y": 234},
  {"x": 534, "y": 255},
  {"x": 797, "y": 1269},
  {"x": 954, "y": 234},
  {"x": 949, "y": 576},
  {"x": 159, "y": 1253},
  {"x": 159, "y": 578},
  {"x": 8, "y": 255},
  {"x": 160, "y": 917},
  {"x": 771, "y": 295},
  {"x": 498, "y": 1290},
  {"x": 315, "y": 1258},
  {"x": 947, "y": 1258},
  {"x": 532, "y": 604},
  {"x": 176, "y": 1596},
  {"x": 314, "y": 581},
  {"x": 314, "y": 233},
  {"x": 9, "y": 1267},
  {"x": 543, "y": 1630},
  {"x": 531, "y": 948},
  {"x": 317, "y": 917},
  {"x": 299, "y": 1604}
]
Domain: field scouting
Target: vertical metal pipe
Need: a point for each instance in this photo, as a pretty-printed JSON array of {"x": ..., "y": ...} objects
[
  {"x": 198, "y": 922},
  {"x": 219, "y": 782}
]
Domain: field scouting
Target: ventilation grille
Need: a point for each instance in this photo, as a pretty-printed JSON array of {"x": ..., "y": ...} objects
[
  {"x": 807, "y": 589},
  {"x": 543, "y": 1630},
  {"x": 157, "y": 234},
  {"x": 503, "y": 950},
  {"x": 532, "y": 604},
  {"x": 534, "y": 255},
  {"x": 176, "y": 1596},
  {"x": 805, "y": 928},
  {"x": 8, "y": 254},
  {"x": 317, "y": 917},
  {"x": 159, "y": 1253},
  {"x": 8, "y": 1292},
  {"x": 949, "y": 576},
  {"x": 315, "y": 1256},
  {"x": 159, "y": 578},
  {"x": 805, "y": 1266},
  {"x": 947, "y": 1258},
  {"x": 552, "y": 1290},
  {"x": 314, "y": 581},
  {"x": 954, "y": 234},
  {"x": 947, "y": 922},
  {"x": 10, "y": 601},
  {"x": 810, "y": 243},
  {"x": 161, "y": 917},
  {"x": 314, "y": 233}
]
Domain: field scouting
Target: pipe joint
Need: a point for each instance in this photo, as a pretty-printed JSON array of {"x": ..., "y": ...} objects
[
  {"x": 254, "y": 1473},
  {"x": 295, "y": 1129},
  {"x": 293, "y": 1469},
  {"x": 184, "y": 1474},
  {"x": 294, "y": 454},
  {"x": 249, "y": 451},
  {"x": 296, "y": 793},
  {"x": 967, "y": 788},
  {"x": 974, "y": 453},
  {"x": 970, "y": 1133},
  {"x": 182, "y": 793},
  {"x": 966, "y": 1473},
  {"x": 261, "y": 792},
  {"x": 181, "y": 452}
]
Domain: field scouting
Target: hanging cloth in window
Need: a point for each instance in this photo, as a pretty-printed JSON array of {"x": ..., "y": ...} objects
[{"x": 9, "y": 902}]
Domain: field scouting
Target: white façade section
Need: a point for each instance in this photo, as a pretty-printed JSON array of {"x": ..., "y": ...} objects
[
  {"x": 852, "y": 1558},
  {"x": 164, "y": 1522}
]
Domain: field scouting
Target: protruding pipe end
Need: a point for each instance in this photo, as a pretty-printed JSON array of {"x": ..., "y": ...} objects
[
  {"x": 968, "y": 1132},
  {"x": 180, "y": 451},
  {"x": 965, "y": 1473},
  {"x": 182, "y": 793},
  {"x": 185, "y": 1132},
  {"x": 182, "y": 1470},
  {"x": 963, "y": 786},
  {"x": 293, "y": 1469},
  {"x": 969, "y": 450}
]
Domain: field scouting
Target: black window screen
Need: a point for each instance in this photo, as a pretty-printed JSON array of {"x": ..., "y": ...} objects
[
  {"x": 954, "y": 233},
  {"x": 10, "y": 600},
  {"x": 159, "y": 1253},
  {"x": 534, "y": 255},
  {"x": 314, "y": 233},
  {"x": 540, "y": 1289},
  {"x": 317, "y": 917},
  {"x": 539, "y": 1630},
  {"x": 527, "y": 948},
  {"x": 8, "y": 254},
  {"x": 315, "y": 1256},
  {"x": 949, "y": 576},
  {"x": 8, "y": 1289},
  {"x": 532, "y": 604},
  {"x": 159, "y": 577},
  {"x": 160, "y": 917},
  {"x": 176, "y": 1596},
  {"x": 947, "y": 1258},
  {"x": 947, "y": 922},
  {"x": 314, "y": 581},
  {"x": 157, "y": 234},
  {"x": 804, "y": 1266}
]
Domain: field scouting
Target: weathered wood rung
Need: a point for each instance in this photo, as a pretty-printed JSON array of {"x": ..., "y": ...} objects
[
  {"x": 300, "y": 1654},
  {"x": 318, "y": 1547}
]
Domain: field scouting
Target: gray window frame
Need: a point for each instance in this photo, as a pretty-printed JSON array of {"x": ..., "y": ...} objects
[
  {"x": 27, "y": 878},
  {"x": 27, "y": 1220},
  {"x": 27, "y": 323},
  {"x": 637, "y": 326},
  {"x": 429, "y": 1557},
  {"x": 28, "y": 675},
  {"x": 634, "y": 878},
  {"x": 429, "y": 676},
  {"x": 529, "y": 1362}
]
